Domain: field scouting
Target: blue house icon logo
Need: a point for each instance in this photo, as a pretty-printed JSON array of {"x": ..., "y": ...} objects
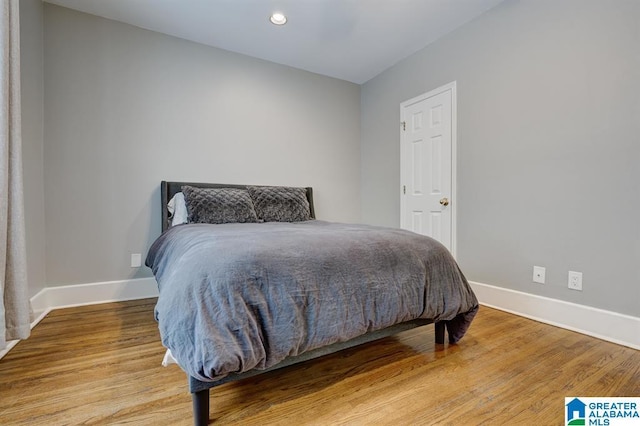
[{"x": 576, "y": 412}]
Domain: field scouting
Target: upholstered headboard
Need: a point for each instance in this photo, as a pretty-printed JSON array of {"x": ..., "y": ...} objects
[{"x": 169, "y": 189}]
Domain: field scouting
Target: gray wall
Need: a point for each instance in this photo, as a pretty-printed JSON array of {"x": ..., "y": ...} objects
[
  {"x": 32, "y": 87},
  {"x": 125, "y": 108},
  {"x": 548, "y": 145}
]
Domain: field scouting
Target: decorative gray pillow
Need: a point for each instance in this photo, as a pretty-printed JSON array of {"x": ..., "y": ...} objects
[
  {"x": 280, "y": 203},
  {"x": 218, "y": 205}
]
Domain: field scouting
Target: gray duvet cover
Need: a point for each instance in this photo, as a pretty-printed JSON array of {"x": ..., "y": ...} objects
[{"x": 235, "y": 297}]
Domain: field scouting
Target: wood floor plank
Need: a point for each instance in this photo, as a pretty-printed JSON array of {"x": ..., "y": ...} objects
[{"x": 100, "y": 364}]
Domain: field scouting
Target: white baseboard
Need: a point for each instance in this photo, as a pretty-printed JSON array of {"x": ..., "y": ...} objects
[
  {"x": 68, "y": 296},
  {"x": 606, "y": 325}
]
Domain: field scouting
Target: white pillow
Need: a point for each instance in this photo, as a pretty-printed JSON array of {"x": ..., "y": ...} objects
[{"x": 178, "y": 208}]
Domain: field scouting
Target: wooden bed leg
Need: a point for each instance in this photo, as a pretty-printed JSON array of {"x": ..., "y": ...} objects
[
  {"x": 440, "y": 327},
  {"x": 200, "y": 407}
]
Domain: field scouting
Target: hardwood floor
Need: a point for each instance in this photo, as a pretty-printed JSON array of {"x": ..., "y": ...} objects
[{"x": 101, "y": 365}]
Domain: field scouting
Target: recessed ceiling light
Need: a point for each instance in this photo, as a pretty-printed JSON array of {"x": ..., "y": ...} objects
[{"x": 278, "y": 19}]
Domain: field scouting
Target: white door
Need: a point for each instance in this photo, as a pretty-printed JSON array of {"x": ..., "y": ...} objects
[{"x": 427, "y": 165}]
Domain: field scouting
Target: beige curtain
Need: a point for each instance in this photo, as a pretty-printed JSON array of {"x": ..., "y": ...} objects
[{"x": 14, "y": 311}]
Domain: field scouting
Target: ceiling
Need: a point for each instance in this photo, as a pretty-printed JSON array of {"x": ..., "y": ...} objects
[{"x": 352, "y": 40}]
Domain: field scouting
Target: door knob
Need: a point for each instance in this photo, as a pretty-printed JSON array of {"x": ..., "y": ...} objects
[{"x": 444, "y": 202}]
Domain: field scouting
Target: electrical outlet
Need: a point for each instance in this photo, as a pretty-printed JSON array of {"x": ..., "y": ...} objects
[
  {"x": 575, "y": 280},
  {"x": 136, "y": 260},
  {"x": 538, "y": 274}
]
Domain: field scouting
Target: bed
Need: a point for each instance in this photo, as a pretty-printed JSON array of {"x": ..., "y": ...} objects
[{"x": 253, "y": 282}]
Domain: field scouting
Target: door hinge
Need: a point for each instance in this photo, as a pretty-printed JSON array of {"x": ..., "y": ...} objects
[
  {"x": 404, "y": 125},
  {"x": 404, "y": 189}
]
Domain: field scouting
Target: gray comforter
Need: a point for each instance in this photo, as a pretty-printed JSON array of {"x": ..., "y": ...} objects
[{"x": 235, "y": 297}]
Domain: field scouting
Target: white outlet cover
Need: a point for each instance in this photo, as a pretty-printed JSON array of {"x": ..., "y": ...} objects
[
  {"x": 136, "y": 260},
  {"x": 575, "y": 280},
  {"x": 539, "y": 273}
]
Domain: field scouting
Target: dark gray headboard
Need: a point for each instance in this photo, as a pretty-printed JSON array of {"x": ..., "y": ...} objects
[{"x": 169, "y": 189}]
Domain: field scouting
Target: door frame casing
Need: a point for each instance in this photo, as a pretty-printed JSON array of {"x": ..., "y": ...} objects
[{"x": 454, "y": 137}]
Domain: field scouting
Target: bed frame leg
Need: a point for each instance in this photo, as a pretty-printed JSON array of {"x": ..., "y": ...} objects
[
  {"x": 200, "y": 407},
  {"x": 440, "y": 327}
]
